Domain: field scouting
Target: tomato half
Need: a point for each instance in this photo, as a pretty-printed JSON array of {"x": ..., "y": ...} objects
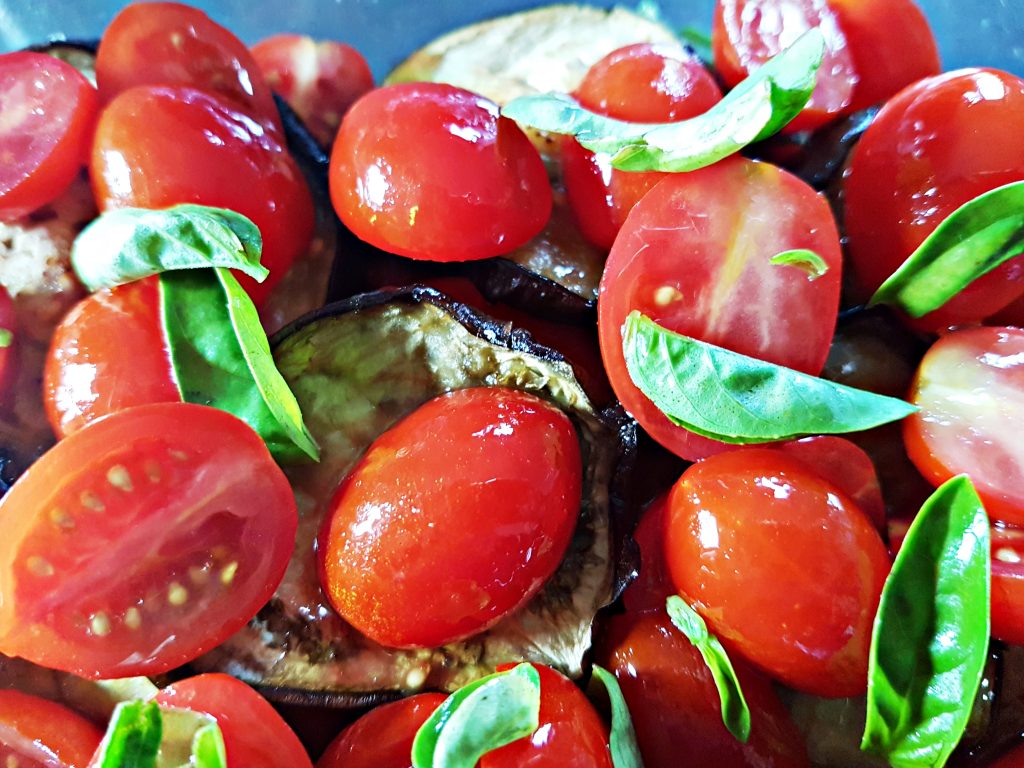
[
  {"x": 49, "y": 115},
  {"x": 694, "y": 255},
  {"x": 453, "y": 518},
  {"x": 37, "y": 733},
  {"x": 141, "y": 541}
]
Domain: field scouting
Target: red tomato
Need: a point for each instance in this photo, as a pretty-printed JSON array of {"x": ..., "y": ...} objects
[
  {"x": 676, "y": 708},
  {"x": 108, "y": 353},
  {"x": 934, "y": 147},
  {"x": 1010, "y": 315},
  {"x": 970, "y": 388},
  {"x": 8, "y": 344},
  {"x": 142, "y": 541},
  {"x": 319, "y": 80},
  {"x": 36, "y": 733},
  {"x": 174, "y": 44},
  {"x": 487, "y": 481},
  {"x": 1013, "y": 759},
  {"x": 255, "y": 736},
  {"x": 1008, "y": 584},
  {"x": 430, "y": 171},
  {"x": 49, "y": 113},
  {"x": 783, "y": 565},
  {"x": 643, "y": 83},
  {"x": 694, "y": 256},
  {"x": 159, "y": 146}
]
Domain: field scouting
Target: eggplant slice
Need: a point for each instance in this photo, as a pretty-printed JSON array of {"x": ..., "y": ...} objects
[{"x": 357, "y": 367}]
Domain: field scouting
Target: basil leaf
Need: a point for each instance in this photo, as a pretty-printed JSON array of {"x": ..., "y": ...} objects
[
  {"x": 735, "y": 712},
  {"x": 733, "y": 398},
  {"x": 808, "y": 261},
  {"x": 931, "y": 634},
  {"x": 622, "y": 741},
  {"x": 221, "y": 357},
  {"x": 478, "y": 718},
  {"x": 132, "y": 243},
  {"x": 6, "y": 338},
  {"x": 133, "y": 737},
  {"x": 208, "y": 749},
  {"x": 972, "y": 241},
  {"x": 755, "y": 109}
]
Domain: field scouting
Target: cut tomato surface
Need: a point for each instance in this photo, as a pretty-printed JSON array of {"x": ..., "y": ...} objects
[{"x": 37, "y": 733}]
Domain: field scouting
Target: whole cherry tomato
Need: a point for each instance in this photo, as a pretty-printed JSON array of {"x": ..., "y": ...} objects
[
  {"x": 37, "y": 733},
  {"x": 382, "y": 738}
]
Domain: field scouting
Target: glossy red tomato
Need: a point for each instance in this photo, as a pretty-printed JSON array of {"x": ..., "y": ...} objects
[
  {"x": 694, "y": 255},
  {"x": 1010, "y": 315},
  {"x": 783, "y": 565},
  {"x": 141, "y": 541},
  {"x": 1008, "y": 584},
  {"x": 157, "y": 146},
  {"x": 8, "y": 344},
  {"x": 970, "y": 388},
  {"x": 642, "y": 83},
  {"x": 108, "y": 353},
  {"x": 36, "y": 733},
  {"x": 453, "y": 518},
  {"x": 932, "y": 148},
  {"x": 320, "y": 80},
  {"x": 430, "y": 171},
  {"x": 255, "y": 736},
  {"x": 49, "y": 114}
]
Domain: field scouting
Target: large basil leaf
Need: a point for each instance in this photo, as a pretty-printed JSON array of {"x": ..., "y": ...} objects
[
  {"x": 931, "y": 633},
  {"x": 133, "y": 737},
  {"x": 622, "y": 740},
  {"x": 755, "y": 109},
  {"x": 738, "y": 399},
  {"x": 972, "y": 241},
  {"x": 132, "y": 243},
  {"x": 221, "y": 357},
  {"x": 478, "y": 718}
]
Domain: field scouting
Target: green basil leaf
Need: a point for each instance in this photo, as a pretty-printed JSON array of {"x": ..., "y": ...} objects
[
  {"x": 808, "y": 261},
  {"x": 478, "y": 718},
  {"x": 931, "y": 634},
  {"x": 6, "y": 338},
  {"x": 735, "y": 712},
  {"x": 738, "y": 399},
  {"x": 221, "y": 357},
  {"x": 755, "y": 109},
  {"x": 133, "y": 737},
  {"x": 208, "y": 749},
  {"x": 972, "y": 241},
  {"x": 622, "y": 741},
  {"x": 132, "y": 243}
]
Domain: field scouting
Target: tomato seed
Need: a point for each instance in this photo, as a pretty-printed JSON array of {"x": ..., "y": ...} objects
[
  {"x": 118, "y": 477},
  {"x": 99, "y": 624},
  {"x": 40, "y": 566},
  {"x": 199, "y": 575},
  {"x": 177, "y": 595},
  {"x": 61, "y": 519},
  {"x": 666, "y": 295},
  {"x": 91, "y": 501},
  {"x": 227, "y": 575}
]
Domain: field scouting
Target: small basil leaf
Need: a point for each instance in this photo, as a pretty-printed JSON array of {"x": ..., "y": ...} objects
[
  {"x": 931, "y": 634},
  {"x": 808, "y": 261},
  {"x": 738, "y": 399},
  {"x": 757, "y": 108},
  {"x": 208, "y": 749},
  {"x": 622, "y": 741},
  {"x": 700, "y": 42},
  {"x": 735, "y": 712},
  {"x": 972, "y": 241},
  {"x": 221, "y": 357},
  {"x": 132, "y": 243},
  {"x": 133, "y": 737},
  {"x": 483, "y": 716}
]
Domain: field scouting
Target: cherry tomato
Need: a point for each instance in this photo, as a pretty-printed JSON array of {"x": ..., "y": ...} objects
[
  {"x": 108, "y": 353},
  {"x": 970, "y": 388},
  {"x": 49, "y": 114},
  {"x": 1010, "y": 315},
  {"x": 430, "y": 171},
  {"x": 938, "y": 144},
  {"x": 8, "y": 344},
  {"x": 255, "y": 736},
  {"x": 36, "y": 733},
  {"x": 141, "y": 541},
  {"x": 783, "y": 565},
  {"x": 1008, "y": 584},
  {"x": 487, "y": 481},
  {"x": 319, "y": 80},
  {"x": 653, "y": 585},
  {"x": 694, "y": 255},
  {"x": 643, "y": 83},
  {"x": 158, "y": 146}
]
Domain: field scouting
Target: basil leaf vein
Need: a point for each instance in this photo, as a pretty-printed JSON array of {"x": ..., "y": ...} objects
[
  {"x": 805, "y": 259},
  {"x": 133, "y": 737},
  {"x": 622, "y": 740}
]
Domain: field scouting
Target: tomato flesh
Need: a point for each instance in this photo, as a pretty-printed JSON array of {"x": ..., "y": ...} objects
[{"x": 37, "y": 733}]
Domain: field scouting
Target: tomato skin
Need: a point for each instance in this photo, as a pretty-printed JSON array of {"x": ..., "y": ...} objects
[
  {"x": 52, "y": 729},
  {"x": 382, "y": 738},
  {"x": 430, "y": 171},
  {"x": 157, "y": 146},
  {"x": 807, "y": 625},
  {"x": 1012, "y": 759},
  {"x": 104, "y": 574},
  {"x": 694, "y": 256},
  {"x": 1008, "y": 584},
  {"x": 50, "y": 112}
]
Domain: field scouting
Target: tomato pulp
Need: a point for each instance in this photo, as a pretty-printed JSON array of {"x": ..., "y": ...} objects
[{"x": 37, "y": 733}]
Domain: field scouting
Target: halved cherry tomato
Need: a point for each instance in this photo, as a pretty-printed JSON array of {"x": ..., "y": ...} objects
[
  {"x": 157, "y": 146},
  {"x": 1008, "y": 584},
  {"x": 255, "y": 736},
  {"x": 49, "y": 111},
  {"x": 320, "y": 80},
  {"x": 487, "y": 481},
  {"x": 8, "y": 344},
  {"x": 694, "y": 255},
  {"x": 783, "y": 565},
  {"x": 430, "y": 171},
  {"x": 141, "y": 541},
  {"x": 970, "y": 388},
  {"x": 37, "y": 733}
]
